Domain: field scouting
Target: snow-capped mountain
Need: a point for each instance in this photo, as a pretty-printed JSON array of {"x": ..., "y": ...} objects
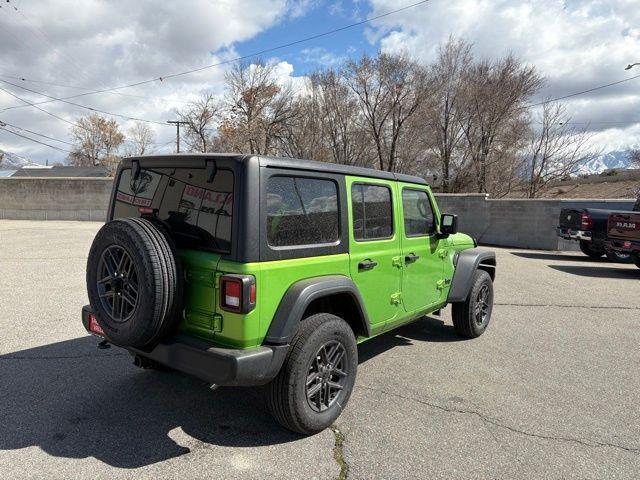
[
  {"x": 10, "y": 161},
  {"x": 618, "y": 159}
]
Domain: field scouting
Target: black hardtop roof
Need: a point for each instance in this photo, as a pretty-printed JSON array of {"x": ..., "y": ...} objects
[{"x": 288, "y": 163}]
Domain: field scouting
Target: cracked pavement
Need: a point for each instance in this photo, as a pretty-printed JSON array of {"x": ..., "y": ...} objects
[{"x": 548, "y": 392}]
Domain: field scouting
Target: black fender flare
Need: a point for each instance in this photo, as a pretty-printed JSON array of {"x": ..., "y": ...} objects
[
  {"x": 466, "y": 264},
  {"x": 300, "y": 295}
]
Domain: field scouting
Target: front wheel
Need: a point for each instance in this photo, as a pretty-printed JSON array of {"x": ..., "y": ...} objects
[
  {"x": 471, "y": 317},
  {"x": 317, "y": 377}
]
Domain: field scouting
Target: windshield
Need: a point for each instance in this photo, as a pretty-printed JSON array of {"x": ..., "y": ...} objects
[{"x": 198, "y": 214}]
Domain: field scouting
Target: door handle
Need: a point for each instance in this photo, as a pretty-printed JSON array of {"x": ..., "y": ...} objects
[
  {"x": 411, "y": 258},
  {"x": 366, "y": 265}
]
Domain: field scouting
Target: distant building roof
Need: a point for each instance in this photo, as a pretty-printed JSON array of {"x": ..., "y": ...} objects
[
  {"x": 7, "y": 173},
  {"x": 62, "y": 171}
]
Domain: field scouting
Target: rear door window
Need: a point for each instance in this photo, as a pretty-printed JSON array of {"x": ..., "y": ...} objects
[
  {"x": 372, "y": 212},
  {"x": 199, "y": 214},
  {"x": 301, "y": 211}
]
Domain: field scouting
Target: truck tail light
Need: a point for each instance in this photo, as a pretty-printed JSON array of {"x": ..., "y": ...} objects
[
  {"x": 238, "y": 293},
  {"x": 585, "y": 221}
]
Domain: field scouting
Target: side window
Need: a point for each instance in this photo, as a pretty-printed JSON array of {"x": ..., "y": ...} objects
[
  {"x": 372, "y": 211},
  {"x": 301, "y": 211},
  {"x": 417, "y": 211}
]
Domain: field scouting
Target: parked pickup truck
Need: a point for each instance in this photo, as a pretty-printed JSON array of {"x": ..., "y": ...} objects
[
  {"x": 623, "y": 234},
  {"x": 589, "y": 227}
]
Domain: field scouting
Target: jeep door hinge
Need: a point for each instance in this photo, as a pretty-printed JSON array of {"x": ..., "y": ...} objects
[
  {"x": 396, "y": 298},
  {"x": 217, "y": 322},
  {"x": 443, "y": 253},
  {"x": 441, "y": 284},
  {"x": 396, "y": 262}
]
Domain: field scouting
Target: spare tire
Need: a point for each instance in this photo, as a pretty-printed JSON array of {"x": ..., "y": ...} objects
[{"x": 134, "y": 282}]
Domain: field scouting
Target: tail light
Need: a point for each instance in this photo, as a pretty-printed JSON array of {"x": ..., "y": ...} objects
[
  {"x": 238, "y": 293},
  {"x": 585, "y": 221}
]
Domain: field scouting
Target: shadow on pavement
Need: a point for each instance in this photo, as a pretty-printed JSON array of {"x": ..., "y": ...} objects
[
  {"x": 559, "y": 256},
  {"x": 427, "y": 329},
  {"x": 598, "y": 272},
  {"x": 75, "y": 401}
]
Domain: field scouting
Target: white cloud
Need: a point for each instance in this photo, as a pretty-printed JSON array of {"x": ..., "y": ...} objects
[
  {"x": 323, "y": 57},
  {"x": 576, "y": 44},
  {"x": 103, "y": 44}
]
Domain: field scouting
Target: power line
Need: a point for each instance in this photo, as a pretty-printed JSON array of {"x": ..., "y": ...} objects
[
  {"x": 4, "y": 124},
  {"x": 92, "y": 109},
  {"x": 245, "y": 57},
  {"x": 37, "y": 107},
  {"x": 600, "y": 87},
  {"x": 76, "y": 87},
  {"x": 75, "y": 124},
  {"x": 36, "y": 141}
]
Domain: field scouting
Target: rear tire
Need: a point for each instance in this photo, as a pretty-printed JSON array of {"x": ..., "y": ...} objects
[
  {"x": 322, "y": 358},
  {"x": 590, "y": 250},
  {"x": 471, "y": 317},
  {"x": 617, "y": 257}
]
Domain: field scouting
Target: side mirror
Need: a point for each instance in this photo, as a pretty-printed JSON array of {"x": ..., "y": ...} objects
[{"x": 448, "y": 224}]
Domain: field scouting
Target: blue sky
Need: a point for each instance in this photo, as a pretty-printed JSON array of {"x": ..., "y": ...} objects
[{"x": 322, "y": 52}]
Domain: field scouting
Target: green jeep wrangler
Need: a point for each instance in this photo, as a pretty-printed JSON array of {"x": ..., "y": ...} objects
[{"x": 249, "y": 270}]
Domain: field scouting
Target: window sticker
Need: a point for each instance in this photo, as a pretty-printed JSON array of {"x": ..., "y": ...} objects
[{"x": 139, "y": 192}]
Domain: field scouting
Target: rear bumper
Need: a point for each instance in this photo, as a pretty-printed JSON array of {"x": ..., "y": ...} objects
[
  {"x": 571, "y": 234},
  {"x": 624, "y": 246},
  {"x": 202, "y": 359}
]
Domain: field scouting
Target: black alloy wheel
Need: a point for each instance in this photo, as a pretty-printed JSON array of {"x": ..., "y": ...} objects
[
  {"x": 326, "y": 377},
  {"x": 482, "y": 305},
  {"x": 117, "y": 283}
]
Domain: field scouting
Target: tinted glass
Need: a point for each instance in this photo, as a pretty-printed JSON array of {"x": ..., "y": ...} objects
[
  {"x": 198, "y": 214},
  {"x": 418, "y": 215},
  {"x": 372, "y": 212},
  {"x": 301, "y": 211}
]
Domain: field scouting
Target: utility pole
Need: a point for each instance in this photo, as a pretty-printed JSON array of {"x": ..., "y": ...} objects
[{"x": 177, "y": 123}]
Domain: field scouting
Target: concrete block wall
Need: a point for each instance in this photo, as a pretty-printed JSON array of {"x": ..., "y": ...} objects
[
  {"x": 505, "y": 222},
  {"x": 33, "y": 198},
  {"x": 522, "y": 223}
]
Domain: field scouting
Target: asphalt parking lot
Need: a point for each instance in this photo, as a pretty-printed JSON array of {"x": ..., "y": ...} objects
[{"x": 550, "y": 391}]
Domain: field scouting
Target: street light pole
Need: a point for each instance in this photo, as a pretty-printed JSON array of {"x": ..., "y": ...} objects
[
  {"x": 630, "y": 66},
  {"x": 177, "y": 123}
]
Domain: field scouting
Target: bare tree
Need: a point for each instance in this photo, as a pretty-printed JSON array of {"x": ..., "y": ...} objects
[
  {"x": 200, "y": 128},
  {"x": 96, "y": 142},
  {"x": 389, "y": 89},
  {"x": 494, "y": 98},
  {"x": 442, "y": 113},
  {"x": 556, "y": 148},
  {"x": 259, "y": 110},
  {"x": 140, "y": 140},
  {"x": 339, "y": 114}
]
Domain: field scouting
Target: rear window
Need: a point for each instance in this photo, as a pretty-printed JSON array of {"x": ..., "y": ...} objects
[
  {"x": 301, "y": 211},
  {"x": 199, "y": 214}
]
